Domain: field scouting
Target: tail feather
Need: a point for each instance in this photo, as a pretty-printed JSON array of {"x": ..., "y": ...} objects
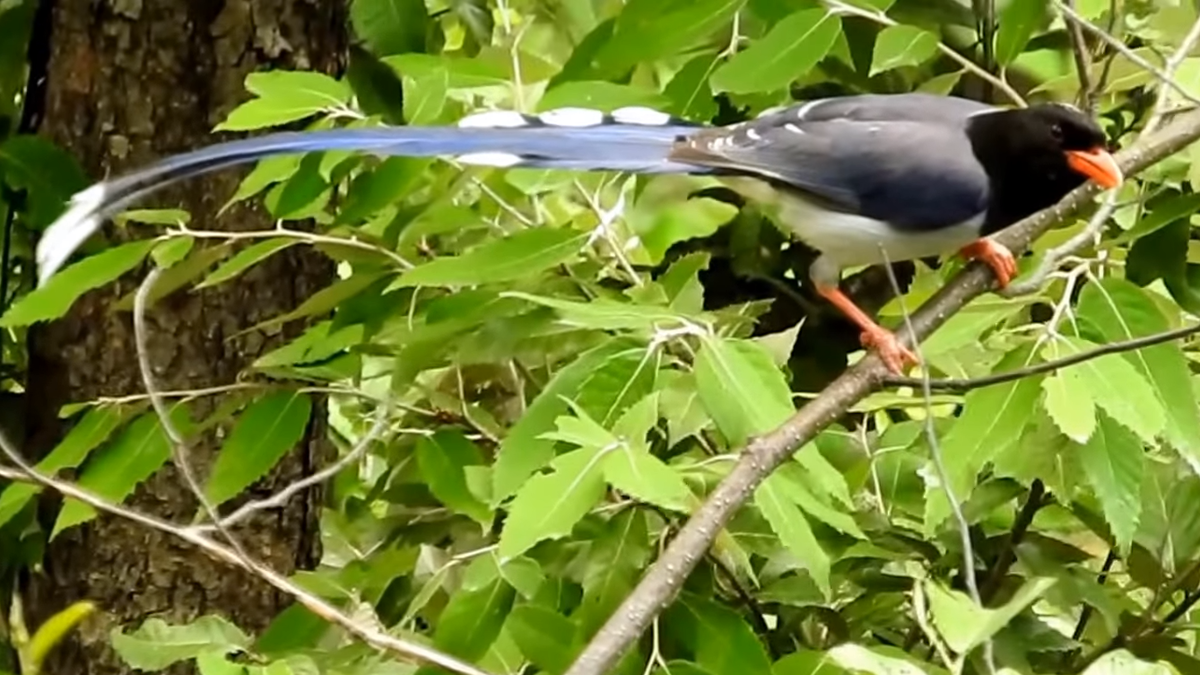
[{"x": 636, "y": 140}]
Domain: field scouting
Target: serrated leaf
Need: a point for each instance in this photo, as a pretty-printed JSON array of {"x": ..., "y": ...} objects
[
  {"x": 899, "y": 46},
  {"x": 661, "y": 226},
  {"x": 1114, "y": 310},
  {"x": 425, "y": 97},
  {"x": 723, "y": 642},
  {"x": 521, "y": 255},
  {"x": 155, "y": 645},
  {"x": 93, "y": 429},
  {"x": 741, "y": 388},
  {"x": 876, "y": 660},
  {"x": 524, "y": 451},
  {"x": 263, "y": 434},
  {"x": 992, "y": 418},
  {"x": 550, "y": 504},
  {"x": 788, "y": 522},
  {"x": 965, "y": 625},
  {"x": 547, "y": 638},
  {"x": 636, "y": 472},
  {"x": 390, "y": 26},
  {"x": 790, "y": 49},
  {"x": 1118, "y": 388},
  {"x": 1017, "y": 24},
  {"x": 1121, "y": 662},
  {"x": 471, "y": 621},
  {"x": 285, "y": 96},
  {"x": 442, "y": 459},
  {"x": 1068, "y": 401},
  {"x": 61, "y": 290},
  {"x": 1113, "y": 462},
  {"x": 113, "y": 472},
  {"x": 646, "y": 30},
  {"x": 244, "y": 259},
  {"x": 616, "y": 558},
  {"x": 605, "y": 314}
]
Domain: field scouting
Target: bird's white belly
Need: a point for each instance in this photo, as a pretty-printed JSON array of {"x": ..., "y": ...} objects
[{"x": 850, "y": 240}]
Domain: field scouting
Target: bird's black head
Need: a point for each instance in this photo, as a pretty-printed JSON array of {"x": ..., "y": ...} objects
[{"x": 1034, "y": 156}]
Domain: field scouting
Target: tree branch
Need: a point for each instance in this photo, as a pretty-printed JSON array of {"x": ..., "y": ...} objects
[
  {"x": 664, "y": 579},
  {"x": 960, "y": 385}
]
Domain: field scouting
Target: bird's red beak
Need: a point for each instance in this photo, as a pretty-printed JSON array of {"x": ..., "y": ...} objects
[{"x": 1098, "y": 165}]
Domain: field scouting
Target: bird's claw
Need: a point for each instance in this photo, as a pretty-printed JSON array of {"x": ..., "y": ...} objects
[
  {"x": 995, "y": 256},
  {"x": 893, "y": 354}
]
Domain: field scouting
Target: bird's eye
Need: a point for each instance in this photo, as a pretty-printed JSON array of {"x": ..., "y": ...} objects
[{"x": 1056, "y": 132}]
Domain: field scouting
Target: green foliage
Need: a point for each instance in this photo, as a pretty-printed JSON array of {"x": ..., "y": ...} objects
[{"x": 573, "y": 362}]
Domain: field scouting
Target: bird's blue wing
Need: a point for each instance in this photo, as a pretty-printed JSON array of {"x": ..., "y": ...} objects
[{"x": 913, "y": 175}]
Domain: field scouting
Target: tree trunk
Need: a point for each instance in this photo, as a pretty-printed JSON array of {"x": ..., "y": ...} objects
[{"x": 130, "y": 81}]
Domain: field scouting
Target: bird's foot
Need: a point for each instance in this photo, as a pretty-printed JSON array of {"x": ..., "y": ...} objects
[
  {"x": 995, "y": 256},
  {"x": 893, "y": 354}
]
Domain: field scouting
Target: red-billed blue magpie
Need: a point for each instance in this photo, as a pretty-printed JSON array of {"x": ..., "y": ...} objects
[{"x": 862, "y": 179}]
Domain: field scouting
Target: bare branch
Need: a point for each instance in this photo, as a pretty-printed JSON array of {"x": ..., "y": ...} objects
[
  {"x": 663, "y": 580},
  {"x": 1079, "y": 49},
  {"x": 378, "y": 639}
]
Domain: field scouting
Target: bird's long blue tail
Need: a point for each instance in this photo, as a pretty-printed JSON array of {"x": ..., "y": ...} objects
[{"x": 637, "y": 140}]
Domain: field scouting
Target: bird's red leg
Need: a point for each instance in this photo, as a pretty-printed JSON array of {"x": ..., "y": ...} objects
[
  {"x": 894, "y": 355},
  {"x": 995, "y": 256}
]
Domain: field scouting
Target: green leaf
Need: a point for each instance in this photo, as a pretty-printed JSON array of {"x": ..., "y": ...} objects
[
  {"x": 616, "y": 558},
  {"x": 789, "y": 523},
  {"x": 806, "y": 662},
  {"x": 791, "y": 49},
  {"x": 1114, "y": 464},
  {"x": 112, "y": 473},
  {"x": 521, "y": 255},
  {"x": 170, "y": 217},
  {"x": 1017, "y": 24},
  {"x": 599, "y": 95},
  {"x": 993, "y": 418},
  {"x": 661, "y": 226},
  {"x": 651, "y": 29},
  {"x": 1115, "y": 310},
  {"x": 93, "y": 429},
  {"x": 442, "y": 459},
  {"x": 268, "y": 171},
  {"x": 1068, "y": 401},
  {"x": 264, "y": 433},
  {"x": 742, "y": 389},
  {"x": 425, "y": 97},
  {"x": 965, "y": 625},
  {"x": 524, "y": 451},
  {"x": 633, "y": 470},
  {"x": 155, "y": 645},
  {"x": 550, "y": 504},
  {"x": 876, "y": 660},
  {"x": 54, "y": 630},
  {"x": 1121, "y": 662},
  {"x": 473, "y": 619},
  {"x": 390, "y": 26},
  {"x": 898, "y": 46},
  {"x": 1118, "y": 388},
  {"x": 546, "y": 638},
  {"x": 61, "y": 290},
  {"x": 244, "y": 259},
  {"x": 724, "y": 644},
  {"x": 167, "y": 253},
  {"x": 285, "y": 96}
]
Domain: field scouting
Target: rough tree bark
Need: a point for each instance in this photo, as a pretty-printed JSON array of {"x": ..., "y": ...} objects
[{"x": 128, "y": 81}]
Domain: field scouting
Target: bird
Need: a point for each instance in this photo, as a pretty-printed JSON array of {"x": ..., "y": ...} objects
[{"x": 863, "y": 179}]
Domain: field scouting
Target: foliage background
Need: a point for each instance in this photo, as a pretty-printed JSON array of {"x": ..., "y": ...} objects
[{"x": 534, "y": 377}]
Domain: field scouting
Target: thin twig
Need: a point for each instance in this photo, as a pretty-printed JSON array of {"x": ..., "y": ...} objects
[
  {"x": 280, "y": 498},
  {"x": 298, "y": 235},
  {"x": 378, "y": 639},
  {"x": 1162, "y": 75},
  {"x": 968, "y": 64},
  {"x": 967, "y": 384},
  {"x": 1034, "y": 501},
  {"x": 180, "y": 449},
  {"x": 1079, "y": 49},
  {"x": 935, "y": 453}
]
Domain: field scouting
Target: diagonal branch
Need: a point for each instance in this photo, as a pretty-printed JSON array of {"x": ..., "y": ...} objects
[{"x": 662, "y": 582}]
